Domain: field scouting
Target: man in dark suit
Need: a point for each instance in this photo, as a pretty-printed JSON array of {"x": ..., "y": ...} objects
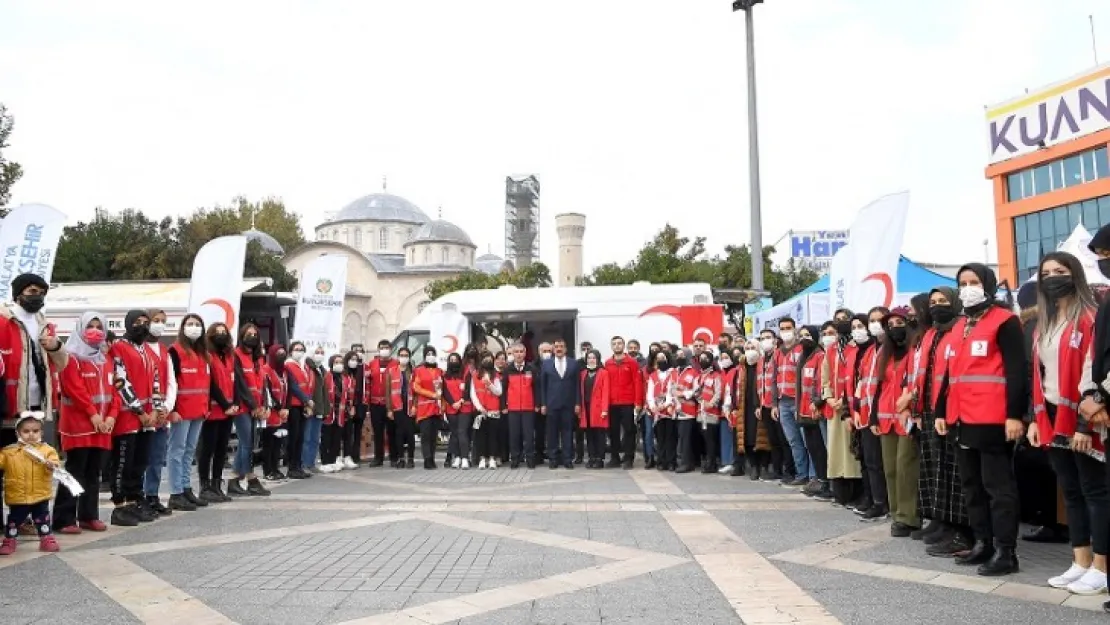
[{"x": 559, "y": 402}]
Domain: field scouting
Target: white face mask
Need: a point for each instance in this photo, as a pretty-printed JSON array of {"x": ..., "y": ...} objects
[
  {"x": 788, "y": 336},
  {"x": 828, "y": 341},
  {"x": 384, "y": 354},
  {"x": 404, "y": 360},
  {"x": 337, "y": 367},
  {"x": 724, "y": 362},
  {"x": 510, "y": 358},
  {"x": 191, "y": 332},
  {"x": 752, "y": 356},
  {"x": 972, "y": 295},
  {"x": 352, "y": 363},
  {"x": 876, "y": 329},
  {"x": 767, "y": 344},
  {"x": 546, "y": 355},
  {"x": 860, "y": 336},
  {"x": 156, "y": 329},
  {"x": 430, "y": 359},
  {"x": 297, "y": 355},
  {"x": 591, "y": 365},
  {"x": 319, "y": 358}
]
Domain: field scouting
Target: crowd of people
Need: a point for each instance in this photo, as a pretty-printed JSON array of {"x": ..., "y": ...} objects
[{"x": 909, "y": 415}]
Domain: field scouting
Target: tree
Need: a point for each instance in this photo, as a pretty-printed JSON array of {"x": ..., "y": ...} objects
[
  {"x": 536, "y": 275},
  {"x": 10, "y": 172}
]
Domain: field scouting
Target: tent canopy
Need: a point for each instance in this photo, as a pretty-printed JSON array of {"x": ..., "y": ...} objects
[{"x": 912, "y": 278}]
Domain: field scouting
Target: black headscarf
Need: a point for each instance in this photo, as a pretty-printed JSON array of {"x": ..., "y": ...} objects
[{"x": 989, "y": 281}]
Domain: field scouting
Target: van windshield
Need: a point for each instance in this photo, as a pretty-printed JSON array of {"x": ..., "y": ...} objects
[{"x": 413, "y": 340}]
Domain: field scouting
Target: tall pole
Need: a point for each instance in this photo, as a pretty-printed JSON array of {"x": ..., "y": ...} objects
[
  {"x": 753, "y": 146},
  {"x": 1094, "y": 44}
]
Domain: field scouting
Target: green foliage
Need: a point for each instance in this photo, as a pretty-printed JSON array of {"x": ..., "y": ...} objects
[
  {"x": 9, "y": 172},
  {"x": 670, "y": 258},
  {"x": 131, "y": 246},
  {"x": 534, "y": 276}
]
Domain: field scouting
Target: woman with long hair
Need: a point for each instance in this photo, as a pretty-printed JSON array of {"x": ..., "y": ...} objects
[
  {"x": 459, "y": 407},
  {"x": 485, "y": 393},
  {"x": 984, "y": 400},
  {"x": 247, "y": 394},
  {"x": 836, "y": 373},
  {"x": 189, "y": 355},
  {"x": 810, "y": 411},
  {"x": 275, "y": 393},
  {"x": 340, "y": 389},
  {"x": 404, "y": 419},
  {"x": 1061, "y": 375},
  {"x": 593, "y": 407},
  {"x": 216, "y": 431},
  {"x": 299, "y": 384},
  {"x": 866, "y": 334}
]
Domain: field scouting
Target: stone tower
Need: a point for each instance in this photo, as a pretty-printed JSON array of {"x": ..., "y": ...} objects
[{"x": 571, "y": 228}]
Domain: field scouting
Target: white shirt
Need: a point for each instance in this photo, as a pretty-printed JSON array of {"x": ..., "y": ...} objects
[
  {"x": 494, "y": 387},
  {"x": 1047, "y": 344},
  {"x": 169, "y": 387},
  {"x": 561, "y": 366},
  {"x": 31, "y": 323}
]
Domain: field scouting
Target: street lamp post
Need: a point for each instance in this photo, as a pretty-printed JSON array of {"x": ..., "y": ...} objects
[{"x": 748, "y": 7}]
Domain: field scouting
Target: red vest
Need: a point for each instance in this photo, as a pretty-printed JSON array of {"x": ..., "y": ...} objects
[
  {"x": 140, "y": 368},
  {"x": 193, "y": 385},
  {"x": 711, "y": 393},
  {"x": 811, "y": 385},
  {"x": 375, "y": 377},
  {"x": 518, "y": 388},
  {"x": 223, "y": 372},
  {"x": 687, "y": 381},
  {"x": 893, "y": 383},
  {"x": 458, "y": 389},
  {"x": 160, "y": 355},
  {"x": 594, "y": 414},
  {"x": 276, "y": 385},
  {"x": 662, "y": 385},
  {"x": 86, "y": 391},
  {"x": 765, "y": 380},
  {"x": 303, "y": 380},
  {"x": 976, "y": 377},
  {"x": 428, "y": 379},
  {"x": 252, "y": 376},
  {"x": 920, "y": 366},
  {"x": 835, "y": 360},
  {"x": 731, "y": 379},
  {"x": 489, "y": 402},
  {"x": 1075, "y": 346},
  {"x": 786, "y": 370},
  {"x": 867, "y": 380},
  {"x": 340, "y": 395},
  {"x": 844, "y": 382}
]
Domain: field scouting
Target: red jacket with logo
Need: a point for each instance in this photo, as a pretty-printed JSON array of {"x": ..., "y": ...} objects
[
  {"x": 194, "y": 383},
  {"x": 893, "y": 383},
  {"x": 223, "y": 378},
  {"x": 786, "y": 371},
  {"x": 430, "y": 380},
  {"x": 765, "y": 380},
  {"x": 976, "y": 374},
  {"x": 304, "y": 381},
  {"x": 140, "y": 367},
  {"x": 454, "y": 389},
  {"x": 520, "y": 389},
  {"x": 86, "y": 391},
  {"x": 811, "y": 386},
  {"x": 252, "y": 377},
  {"x": 274, "y": 383},
  {"x": 375, "y": 372},
  {"x": 626, "y": 384},
  {"x": 341, "y": 396}
]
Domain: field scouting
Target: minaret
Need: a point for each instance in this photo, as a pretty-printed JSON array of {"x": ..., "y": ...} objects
[{"x": 571, "y": 229}]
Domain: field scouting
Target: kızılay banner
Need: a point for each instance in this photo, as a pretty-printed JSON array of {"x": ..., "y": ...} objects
[
  {"x": 29, "y": 244},
  {"x": 323, "y": 286}
]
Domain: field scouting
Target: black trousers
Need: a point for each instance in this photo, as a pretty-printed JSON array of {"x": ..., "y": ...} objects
[
  {"x": 294, "y": 440},
  {"x": 522, "y": 435},
  {"x": 782, "y": 461},
  {"x": 541, "y": 436},
  {"x": 990, "y": 492},
  {"x": 579, "y": 443},
  {"x": 686, "y": 429},
  {"x": 503, "y": 437},
  {"x": 622, "y": 433},
  {"x": 560, "y": 435},
  {"x": 462, "y": 425},
  {"x": 710, "y": 433},
  {"x": 1036, "y": 486},
  {"x": 354, "y": 433},
  {"x": 486, "y": 440},
  {"x": 873, "y": 474},
  {"x": 130, "y": 453},
  {"x": 817, "y": 450},
  {"x": 84, "y": 464},
  {"x": 403, "y": 443},
  {"x": 7, "y": 437},
  {"x": 382, "y": 426},
  {"x": 429, "y": 433},
  {"x": 331, "y": 439},
  {"x": 38, "y": 512},
  {"x": 595, "y": 443},
  {"x": 271, "y": 451},
  {"x": 1086, "y": 498},
  {"x": 666, "y": 441},
  {"x": 212, "y": 450},
  {"x": 846, "y": 491}
]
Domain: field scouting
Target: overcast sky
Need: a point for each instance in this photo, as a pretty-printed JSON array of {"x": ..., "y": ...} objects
[{"x": 631, "y": 111}]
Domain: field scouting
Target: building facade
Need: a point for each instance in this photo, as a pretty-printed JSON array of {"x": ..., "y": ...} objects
[{"x": 1049, "y": 168}]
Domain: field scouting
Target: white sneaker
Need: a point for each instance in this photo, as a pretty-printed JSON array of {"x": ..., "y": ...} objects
[
  {"x": 456, "y": 463},
  {"x": 1072, "y": 574},
  {"x": 482, "y": 464},
  {"x": 465, "y": 464},
  {"x": 1093, "y": 582},
  {"x": 492, "y": 464},
  {"x": 327, "y": 468},
  {"x": 725, "y": 469},
  {"x": 349, "y": 463}
]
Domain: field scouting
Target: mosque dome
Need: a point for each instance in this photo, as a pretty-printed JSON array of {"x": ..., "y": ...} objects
[
  {"x": 268, "y": 243},
  {"x": 441, "y": 231},
  {"x": 381, "y": 207}
]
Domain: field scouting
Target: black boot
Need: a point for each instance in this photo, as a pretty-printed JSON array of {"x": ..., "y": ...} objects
[
  {"x": 206, "y": 494},
  {"x": 944, "y": 534},
  {"x": 825, "y": 492},
  {"x": 684, "y": 469},
  {"x": 235, "y": 489},
  {"x": 737, "y": 469},
  {"x": 1004, "y": 562},
  {"x": 931, "y": 527},
  {"x": 649, "y": 462},
  {"x": 754, "y": 472},
  {"x": 193, "y": 499},
  {"x": 125, "y": 516},
  {"x": 156, "y": 506},
  {"x": 955, "y": 545},
  {"x": 217, "y": 489},
  {"x": 980, "y": 553},
  {"x": 255, "y": 488},
  {"x": 179, "y": 502}
]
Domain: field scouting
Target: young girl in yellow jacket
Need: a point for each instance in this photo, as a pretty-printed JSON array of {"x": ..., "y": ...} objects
[{"x": 28, "y": 467}]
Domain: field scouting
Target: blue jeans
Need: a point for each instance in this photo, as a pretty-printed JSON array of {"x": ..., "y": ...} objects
[
  {"x": 183, "y": 448},
  {"x": 728, "y": 442},
  {"x": 312, "y": 428},
  {"x": 156, "y": 460},
  {"x": 244, "y": 454},
  {"x": 647, "y": 428},
  {"x": 790, "y": 427}
]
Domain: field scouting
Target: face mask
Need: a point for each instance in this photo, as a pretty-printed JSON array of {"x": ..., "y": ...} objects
[
  {"x": 353, "y": 363},
  {"x": 898, "y": 335},
  {"x": 1104, "y": 266},
  {"x": 430, "y": 359},
  {"x": 221, "y": 340},
  {"x": 808, "y": 342},
  {"x": 157, "y": 328},
  {"x": 911, "y": 323},
  {"x": 860, "y": 336},
  {"x": 510, "y": 358},
  {"x": 662, "y": 365},
  {"x": 942, "y": 313},
  {"x": 337, "y": 367},
  {"x": 137, "y": 334},
  {"x": 752, "y": 356},
  {"x": 279, "y": 357},
  {"x": 876, "y": 329},
  {"x": 404, "y": 360},
  {"x": 546, "y": 355},
  {"x": 32, "y": 303},
  {"x": 723, "y": 347},
  {"x": 972, "y": 296},
  {"x": 844, "y": 328},
  {"x": 454, "y": 366},
  {"x": 1057, "y": 287},
  {"x": 191, "y": 332},
  {"x": 250, "y": 341},
  {"x": 94, "y": 337},
  {"x": 787, "y": 336},
  {"x": 591, "y": 366},
  {"x": 724, "y": 362},
  {"x": 681, "y": 362},
  {"x": 298, "y": 355},
  {"x": 767, "y": 344},
  {"x": 318, "y": 357},
  {"x": 487, "y": 365},
  {"x": 828, "y": 341},
  {"x": 385, "y": 354},
  {"x": 705, "y": 363}
]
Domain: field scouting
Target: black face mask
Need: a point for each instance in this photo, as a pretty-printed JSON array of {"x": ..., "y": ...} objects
[
  {"x": 681, "y": 362},
  {"x": 1057, "y": 287},
  {"x": 897, "y": 335},
  {"x": 487, "y": 365},
  {"x": 705, "y": 363},
  {"x": 942, "y": 313},
  {"x": 808, "y": 343},
  {"x": 280, "y": 359},
  {"x": 32, "y": 303},
  {"x": 723, "y": 347},
  {"x": 1104, "y": 266},
  {"x": 844, "y": 328},
  {"x": 454, "y": 367},
  {"x": 250, "y": 341},
  {"x": 662, "y": 365},
  {"x": 221, "y": 340},
  {"x": 138, "y": 334},
  {"x": 912, "y": 323}
]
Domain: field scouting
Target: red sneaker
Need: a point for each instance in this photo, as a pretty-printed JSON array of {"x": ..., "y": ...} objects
[
  {"x": 95, "y": 525},
  {"x": 7, "y": 547},
  {"x": 49, "y": 544},
  {"x": 70, "y": 530}
]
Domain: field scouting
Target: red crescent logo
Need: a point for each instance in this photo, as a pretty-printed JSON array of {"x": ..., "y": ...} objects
[
  {"x": 452, "y": 343},
  {"x": 668, "y": 310},
  {"x": 222, "y": 304},
  {"x": 888, "y": 286}
]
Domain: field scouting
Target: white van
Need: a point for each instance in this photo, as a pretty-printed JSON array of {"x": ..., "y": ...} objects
[{"x": 643, "y": 311}]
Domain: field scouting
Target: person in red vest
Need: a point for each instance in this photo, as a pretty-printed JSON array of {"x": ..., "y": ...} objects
[
  {"x": 340, "y": 388},
  {"x": 300, "y": 405},
  {"x": 1061, "y": 374},
  {"x": 133, "y": 377},
  {"x": 811, "y": 411},
  {"x": 275, "y": 394},
  {"x": 216, "y": 431},
  {"x": 784, "y": 391},
  {"x": 836, "y": 368},
  {"x": 459, "y": 408},
  {"x": 189, "y": 355},
  {"x": 782, "y": 462},
  {"x": 248, "y": 376},
  {"x": 163, "y": 402},
  {"x": 87, "y": 402},
  {"x": 986, "y": 396},
  {"x": 730, "y": 370},
  {"x": 382, "y": 372},
  {"x": 594, "y": 396},
  {"x": 485, "y": 394},
  {"x": 661, "y": 404},
  {"x": 709, "y": 397},
  {"x": 519, "y": 401},
  {"x": 428, "y": 395},
  {"x": 626, "y": 393},
  {"x": 686, "y": 396},
  {"x": 868, "y": 332}
]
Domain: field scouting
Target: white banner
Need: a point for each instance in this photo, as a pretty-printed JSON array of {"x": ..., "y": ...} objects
[
  {"x": 29, "y": 244},
  {"x": 217, "y": 282},
  {"x": 323, "y": 285},
  {"x": 875, "y": 246},
  {"x": 840, "y": 271},
  {"x": 449, "y": 333}
]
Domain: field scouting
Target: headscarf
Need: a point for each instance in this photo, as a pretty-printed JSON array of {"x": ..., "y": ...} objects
[
  {"x": 271, "y": 357},
  {"x": 989, "y": 281},
  {"x": 953, "y": 297},
  {"x": 76, "y": 344}
]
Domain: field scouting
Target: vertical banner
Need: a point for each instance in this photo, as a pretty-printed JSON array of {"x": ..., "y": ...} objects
[
  {"x": 29, "y": 243},
  {"x": 323, "y": 285},
  {"x": 217, "y": 282},
  {"x": 449, "y": 333},
  {"x": 875, "y": 245},
  {"x": 840, "y": 270}
]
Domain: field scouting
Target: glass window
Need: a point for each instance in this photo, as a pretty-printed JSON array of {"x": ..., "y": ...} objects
[
  {"x": 1102, "y": 164},
  {"x": 1033, "y": 227},
  {"x": 1013, "y": 184},
  {"x": 1088, "y": 160},
  {"x": 1032, "y": 254},
  {"x": 1047, "y": 229},
  {"x": 1057, "y": 170},
  {"x": 1104, "y": 210},
  {"x": 1075, "y": 215},
  {"x": 1049, "y": 244},
  {"x": 1019, "y": 230},
  {"x": 1042, "y": 182},
  {"x": 1073, "y": 171},
  {"x": 445, "y": 255},
  {"x": 1027, "y": 183},
  {"x": 383, "y": 239},
  {"x": 358, "y": 238},
  {"x": 1090, "y": 214}
]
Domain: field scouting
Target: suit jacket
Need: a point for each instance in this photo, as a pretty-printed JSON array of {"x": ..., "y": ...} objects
[{"x": 559, "y": 393}]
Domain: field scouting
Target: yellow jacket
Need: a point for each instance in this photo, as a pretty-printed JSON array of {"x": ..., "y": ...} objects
[{"x": 26, "y": 480}]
